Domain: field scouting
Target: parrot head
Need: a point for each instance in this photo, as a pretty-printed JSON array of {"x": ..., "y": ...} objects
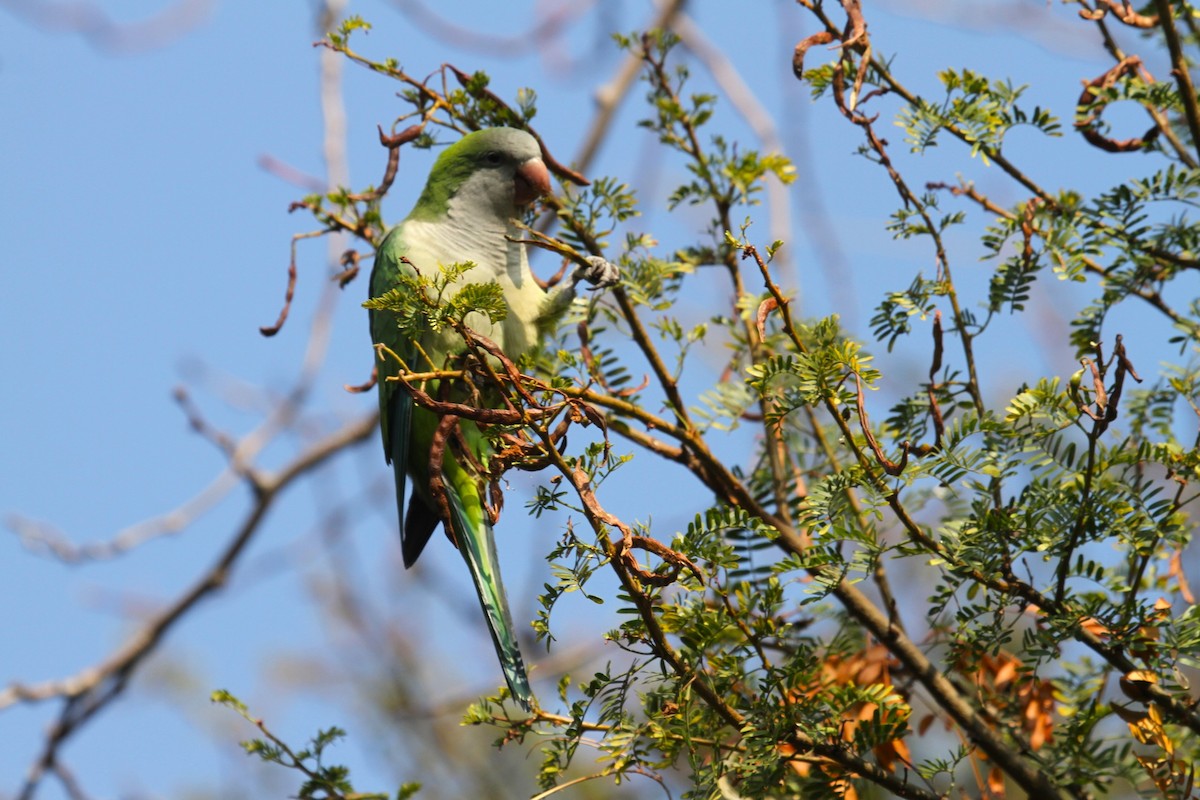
[{"x": 503, "y": 167}]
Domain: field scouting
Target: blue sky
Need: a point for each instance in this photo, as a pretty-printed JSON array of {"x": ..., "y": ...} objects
[{"x": 143, "y": 245}]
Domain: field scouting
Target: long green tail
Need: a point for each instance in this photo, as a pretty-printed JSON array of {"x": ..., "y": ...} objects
[{"x": 478, "y": 547}]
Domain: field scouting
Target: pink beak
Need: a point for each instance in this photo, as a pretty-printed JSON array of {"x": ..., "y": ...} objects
[{"x": 531, "y": 181}]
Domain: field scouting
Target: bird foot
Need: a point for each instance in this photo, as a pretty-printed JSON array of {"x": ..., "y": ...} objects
[{"x": 599, "y": 272}]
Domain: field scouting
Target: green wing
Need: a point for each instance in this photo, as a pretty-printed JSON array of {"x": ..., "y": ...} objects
[
  {"x": 395, "y": 406},
  {"x": 408, "y": 433}
]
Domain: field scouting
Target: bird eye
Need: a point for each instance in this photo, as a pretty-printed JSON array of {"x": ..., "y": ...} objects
[{"x": 493, "y": 158}]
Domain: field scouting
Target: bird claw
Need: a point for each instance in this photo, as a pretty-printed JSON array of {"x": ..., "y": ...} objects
[{"x": 599, "y": 272}]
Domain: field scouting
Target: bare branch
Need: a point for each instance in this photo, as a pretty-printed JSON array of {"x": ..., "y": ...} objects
[
  {"x": 94, "y": 688},
  {"x": 548, "y": 27},
  {"x": 1181, "y": 70},
  {"x": 92, "y": 22},
  {"x": 610, "y": 95}
]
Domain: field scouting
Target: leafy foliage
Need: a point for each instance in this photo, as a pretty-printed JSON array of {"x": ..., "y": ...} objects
[
  {"x": 422, "y": 303},
  {"x": 321, "y": 781},
  {"x": 980, "y": 111},
  {"x": 985, "y": 589}
]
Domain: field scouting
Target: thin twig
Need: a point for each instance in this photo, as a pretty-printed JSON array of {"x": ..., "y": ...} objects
[
  {"x": 1180, "y": 69},
  {"x": 610, "y": 95}
]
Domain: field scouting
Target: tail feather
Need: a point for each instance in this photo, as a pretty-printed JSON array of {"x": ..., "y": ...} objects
[
  {"x": 478, "y": 547},
  {"x": 396, "y": 415},
  {"x": 419, "y": 524}
]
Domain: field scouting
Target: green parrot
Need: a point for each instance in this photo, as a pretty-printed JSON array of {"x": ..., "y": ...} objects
[{"x": 467, "y": 209}]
